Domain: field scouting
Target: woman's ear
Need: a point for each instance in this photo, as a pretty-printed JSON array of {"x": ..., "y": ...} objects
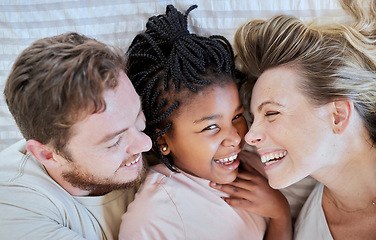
[
  {"x": 42, "y": 153},
  {"x": 163, "y": 144},
  {"x": 341, "y": 114}
]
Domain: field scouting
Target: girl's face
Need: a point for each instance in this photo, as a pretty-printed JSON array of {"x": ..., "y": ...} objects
[
  {"x": 208, "y": 134},
  {"x": 293, "y": 137}
]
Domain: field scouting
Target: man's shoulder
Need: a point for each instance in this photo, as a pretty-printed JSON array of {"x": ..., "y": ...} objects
[
  {"x": 14, "y": 150},
  {"x": 21, "y": 174},
  {"x": 12, "y": 160}
]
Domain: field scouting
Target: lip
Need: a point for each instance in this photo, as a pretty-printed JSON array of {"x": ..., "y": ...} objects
[
  {"x": 272, "y": 158},
  {"x": 230, "y": 162},
  {"x": 132, "y": 161}
]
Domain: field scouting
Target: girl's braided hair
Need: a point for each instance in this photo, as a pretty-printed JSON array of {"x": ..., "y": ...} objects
[{"x": 167, "y": 64}]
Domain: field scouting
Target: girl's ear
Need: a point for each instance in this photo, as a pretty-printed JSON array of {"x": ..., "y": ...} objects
[
  {"x": 341, "y": 114},
  {"x": 163, "y": 144},
  {"x": 42, "y": 153}
]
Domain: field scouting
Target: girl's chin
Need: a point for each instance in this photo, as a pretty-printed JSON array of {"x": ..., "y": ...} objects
[{"x": 227, "y": 179}]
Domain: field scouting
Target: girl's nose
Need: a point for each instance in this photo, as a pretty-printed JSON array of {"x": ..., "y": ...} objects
[{"x": 233, "y": 139}]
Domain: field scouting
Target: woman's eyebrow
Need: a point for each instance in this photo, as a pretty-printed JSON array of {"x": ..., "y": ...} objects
[{"x": 262, "y": 105}]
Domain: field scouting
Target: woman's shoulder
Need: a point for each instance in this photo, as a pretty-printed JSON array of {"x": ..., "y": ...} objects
[{"x": 311, "y": 222}]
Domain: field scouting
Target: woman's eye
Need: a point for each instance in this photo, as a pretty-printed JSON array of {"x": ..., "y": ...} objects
[
  {"x": 211, "y": 127},
  {"x": 237, "y": 116},
  {"x": 271, "y": 114}
]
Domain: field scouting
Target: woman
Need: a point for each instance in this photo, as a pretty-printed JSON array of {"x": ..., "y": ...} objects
[{"x": 313, "y": 106}]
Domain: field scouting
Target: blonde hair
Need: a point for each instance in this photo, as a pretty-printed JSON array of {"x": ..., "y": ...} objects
[{"x": 336, "y": 61}]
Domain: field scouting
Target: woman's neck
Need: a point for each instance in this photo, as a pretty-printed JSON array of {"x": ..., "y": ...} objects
[{"x": 351, "y": 183}]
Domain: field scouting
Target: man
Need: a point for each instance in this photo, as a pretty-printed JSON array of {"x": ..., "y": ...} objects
[{"x": 81, "y": 162}]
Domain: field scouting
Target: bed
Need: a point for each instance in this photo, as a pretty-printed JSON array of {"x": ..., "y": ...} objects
[{"x": 116, "y": 22}]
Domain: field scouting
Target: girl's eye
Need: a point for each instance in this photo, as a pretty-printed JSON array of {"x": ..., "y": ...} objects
[
  {"x": 237, "y": 116},
  {"x": 211, "y": 127}
]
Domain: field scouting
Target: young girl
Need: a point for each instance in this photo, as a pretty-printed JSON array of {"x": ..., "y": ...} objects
[{"x": 195, "y": 119}]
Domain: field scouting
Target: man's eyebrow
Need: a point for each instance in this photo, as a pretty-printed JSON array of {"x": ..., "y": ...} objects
[{"x": 110, "y": 136}]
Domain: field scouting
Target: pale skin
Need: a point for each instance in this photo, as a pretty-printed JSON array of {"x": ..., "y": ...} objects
[
  {"x": 328, "y": 142},
  {"x": 105, "y": 148}
]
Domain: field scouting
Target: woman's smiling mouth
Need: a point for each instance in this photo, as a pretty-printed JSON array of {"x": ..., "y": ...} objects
[{"x": 270, "y": 158}]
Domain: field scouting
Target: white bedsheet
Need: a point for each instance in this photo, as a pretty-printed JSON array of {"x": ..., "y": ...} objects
[{"x": 116, "y": 22}]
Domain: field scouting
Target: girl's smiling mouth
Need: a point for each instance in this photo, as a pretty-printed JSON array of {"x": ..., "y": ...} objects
[{"x": 226, "y": 161}]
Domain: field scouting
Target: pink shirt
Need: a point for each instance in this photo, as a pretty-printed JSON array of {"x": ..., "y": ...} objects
[{"x": 180, "y": 206}]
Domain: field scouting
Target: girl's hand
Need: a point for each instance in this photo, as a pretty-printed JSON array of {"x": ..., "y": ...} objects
[{"x": 251, "y": 191}]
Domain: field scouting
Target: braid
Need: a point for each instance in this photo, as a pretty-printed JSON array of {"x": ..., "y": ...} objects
[{"x": 167, "y": 63}]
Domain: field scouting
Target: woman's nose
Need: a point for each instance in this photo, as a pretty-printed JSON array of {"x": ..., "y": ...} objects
[{"x": 254, "y": 137}]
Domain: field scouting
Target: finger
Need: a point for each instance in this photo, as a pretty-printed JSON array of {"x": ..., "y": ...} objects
[
  {"x": 236, "y": 191},
  {"x": 246, "y": 175},
  {"x": 243, "y": 184},
  {"x": 254, "y": 176},
  {"x": 238, "y": 202}
]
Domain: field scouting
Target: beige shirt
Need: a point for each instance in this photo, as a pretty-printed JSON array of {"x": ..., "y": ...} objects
[{"x": 34, "y": 206}]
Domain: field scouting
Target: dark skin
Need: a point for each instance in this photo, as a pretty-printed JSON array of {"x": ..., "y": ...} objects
[{"x": 250, "y": 190}]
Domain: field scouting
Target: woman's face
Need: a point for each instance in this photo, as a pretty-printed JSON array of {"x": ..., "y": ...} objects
[
  {"x": 292, "y": 136},
  {"x": 208, "y": 133}
]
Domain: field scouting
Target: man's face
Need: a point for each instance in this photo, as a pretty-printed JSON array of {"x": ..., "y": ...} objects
[{"x": 105, "y": 148}]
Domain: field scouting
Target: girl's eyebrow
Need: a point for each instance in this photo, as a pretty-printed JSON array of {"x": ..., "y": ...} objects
[
  {"x": 216, "y": 116},
  {"x": 207, "y": 118}
]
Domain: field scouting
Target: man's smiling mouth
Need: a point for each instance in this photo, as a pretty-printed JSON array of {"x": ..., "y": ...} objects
[{"x": 125, "y": 163}]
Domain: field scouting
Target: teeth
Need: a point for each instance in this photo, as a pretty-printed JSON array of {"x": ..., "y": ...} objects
[
  {"x": 227, "y": 161},
  {"x": 132, "y": 162},
  {"x": 271, "y": 156},
  {"x": 270, "y": 162}
]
